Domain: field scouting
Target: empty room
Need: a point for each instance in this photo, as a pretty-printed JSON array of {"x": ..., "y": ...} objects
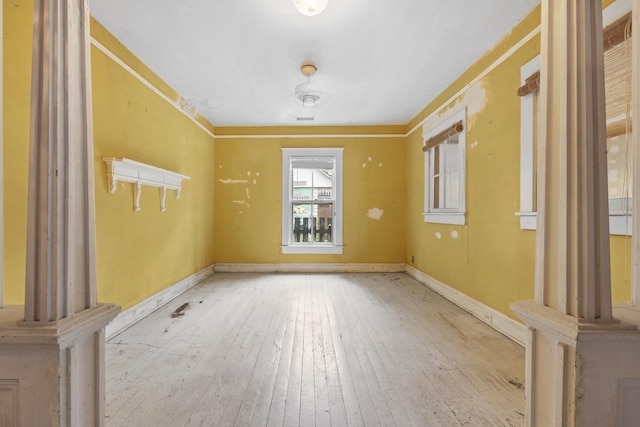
[{"x": 319, "y": 213}]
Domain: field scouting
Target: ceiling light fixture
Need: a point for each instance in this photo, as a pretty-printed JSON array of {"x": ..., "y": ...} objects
[
  {"x": 310, "y": 7},
  {"x": 308, "y": 94}
]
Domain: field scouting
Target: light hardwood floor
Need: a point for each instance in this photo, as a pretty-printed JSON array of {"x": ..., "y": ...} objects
[{"x": 360, "y": 349}]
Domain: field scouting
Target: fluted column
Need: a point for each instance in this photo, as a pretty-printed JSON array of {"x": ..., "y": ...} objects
[
  {"x": 581, "y": 363},
  {"x": 52, "y": 350},
  {"x": 577, "y": 354},
  {"x": 573, "y": 272},
  {"x": 1, "y": 164},
  {"x": 60, "y": 278}
]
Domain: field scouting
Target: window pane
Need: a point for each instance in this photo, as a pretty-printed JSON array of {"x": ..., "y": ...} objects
[
  {"x": 301, "y": 223},
  {"x": 436, "y": 193},
  {"x": 618, "y": 88},
  {"x": 436, "y": 160},
  {"x": 312, "y": 223},
  {"x": 453, "y": 182},
  {"x": 619, "y": 166},
  {"x": 452, "y": 154},
  {"x": 312, "y": 178},
  {"x": 322, "y": 220}
]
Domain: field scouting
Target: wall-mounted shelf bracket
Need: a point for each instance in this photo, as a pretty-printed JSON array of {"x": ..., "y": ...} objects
[{"x": 139, "y": 174}]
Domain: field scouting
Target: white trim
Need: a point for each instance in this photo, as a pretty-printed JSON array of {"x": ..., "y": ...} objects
[
  {"x": 442, "y": 107},
  {"x": 443, "y": 216},
  {"x": 497, "y": 320},
  {"x": 139, "y": 174},
  {"x": 336, "y": 246},
  {"x": 479, "y": 77},
  {"x": 527, "y": 147},
  {"x": 141, "y": 310},
  {"x": 620, "y": 222},
  {"x": 148, "y": 84},
  {"x": 482, "y": 75},
  {"x": 317, "y": 249},
  {"x": 454, "y": 218},
  {"x": 615, "y": 11},
  {"x": 311, "y": 268},
  {"x": 316, "y": 135}
]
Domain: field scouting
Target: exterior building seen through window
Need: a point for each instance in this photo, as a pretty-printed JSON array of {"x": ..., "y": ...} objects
[{"x": 312, "y": 201}]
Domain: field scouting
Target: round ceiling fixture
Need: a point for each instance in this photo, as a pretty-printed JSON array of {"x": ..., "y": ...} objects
[
  {"x": 310, "y": 7},
  {"x": 308, "y": 94}
]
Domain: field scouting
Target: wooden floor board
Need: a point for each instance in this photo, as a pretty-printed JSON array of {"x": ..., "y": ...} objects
[{"x": 356, "y": 349}]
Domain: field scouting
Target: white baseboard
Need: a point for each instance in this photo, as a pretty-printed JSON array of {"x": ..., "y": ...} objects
[
  {"x": 310, "y": 268},
  {"x": 500, "y": 322},
  {"x": 141, "y": 310}
]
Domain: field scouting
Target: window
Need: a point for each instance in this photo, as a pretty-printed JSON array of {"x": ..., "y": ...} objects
[
  {"x": 617, "y": 58},
  {"x": 444, "y": 171},
  {"x": 528, "y": 146},
  {"x": 312, "y": 200}
]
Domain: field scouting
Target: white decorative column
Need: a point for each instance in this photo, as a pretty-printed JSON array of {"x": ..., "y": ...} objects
[
  {"x": 583, "y": 366},
  {"x": 52, "y": 351}
]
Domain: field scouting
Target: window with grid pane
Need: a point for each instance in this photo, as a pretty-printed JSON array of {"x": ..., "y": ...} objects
[
  {"x": 618, "y": 95},
  {"x": 444, "y": 171},
  {"x": 312, "y": 200}
]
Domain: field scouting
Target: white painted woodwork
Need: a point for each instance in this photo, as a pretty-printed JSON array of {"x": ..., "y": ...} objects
[
  {"x": 139, "y": 174},
  {"x": 362, "y": 91},
  {"x": 309, "y": 268},
  {"x": 357, "y": 349},
  {"x": 52, "y": 349},
  {"x": 580, "y": 360},
  {"x": 144, "y": 308},
  {"x": 497, "y": 320}
]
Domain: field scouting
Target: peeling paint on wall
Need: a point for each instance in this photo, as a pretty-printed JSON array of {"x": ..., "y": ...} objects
[
  {"x": 375, "y": 213},
  {"x": 233, "y": 181},
  {"x": 438, "y": 235},
  {"x": 454, "y": 234},
  {"x": 475, "y": 99},
  {"x": 379, "y": 165},
  {"x": 247, "y": 192}
]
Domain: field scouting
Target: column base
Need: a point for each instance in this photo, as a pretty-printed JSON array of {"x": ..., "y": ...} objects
[
  {"x": 579, "y": 373},
  {"x": 52, "y": 373}
]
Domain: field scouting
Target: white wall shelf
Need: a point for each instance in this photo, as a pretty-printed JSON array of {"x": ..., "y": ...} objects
[{"x": 139, "y": 174}]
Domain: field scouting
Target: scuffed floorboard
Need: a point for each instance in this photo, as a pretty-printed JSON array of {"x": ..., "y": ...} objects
[{"x": 358, "y": 349}]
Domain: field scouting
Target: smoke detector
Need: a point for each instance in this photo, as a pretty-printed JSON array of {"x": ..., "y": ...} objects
[{"x": 308, "y": 94}]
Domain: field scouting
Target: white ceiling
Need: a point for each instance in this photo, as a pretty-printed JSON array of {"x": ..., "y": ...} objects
[{"x": 379, "y": 61}]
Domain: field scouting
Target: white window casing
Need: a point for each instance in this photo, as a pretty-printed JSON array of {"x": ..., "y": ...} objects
[
  {"x": 446, "y": 215},
  {"x": 298, "y": 156}
]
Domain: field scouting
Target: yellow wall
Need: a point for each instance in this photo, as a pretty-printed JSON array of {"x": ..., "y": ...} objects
[
  {"x": 139, "y": 253},
  {"x": 250, "y": 231},
  {"x": 490, "y": 258}
]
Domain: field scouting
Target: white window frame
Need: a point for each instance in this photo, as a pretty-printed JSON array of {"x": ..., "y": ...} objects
[
  {"x": 289, "y": 247},
  {"x": 620, "y": 221},
  {"x": 528, "y": 216},
  {"x": 446, "y": 216}
]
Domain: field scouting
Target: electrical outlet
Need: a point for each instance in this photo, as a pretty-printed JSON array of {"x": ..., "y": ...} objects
[{"x": 412, "y": 259}]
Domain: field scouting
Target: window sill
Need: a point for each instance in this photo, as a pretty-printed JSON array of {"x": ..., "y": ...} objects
[
  {"x": 453, "y": 218},
  {"x": 528, "y": 220},
  {"x": 312, "y": 249},
  {"x": 620, "y": 223}
]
